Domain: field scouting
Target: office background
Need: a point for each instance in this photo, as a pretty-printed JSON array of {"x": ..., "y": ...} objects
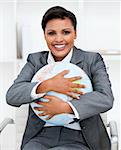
[{"x": 20, "y": 33}]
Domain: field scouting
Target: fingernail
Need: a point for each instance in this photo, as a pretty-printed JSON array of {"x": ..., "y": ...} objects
[{"x": 78, "y": 97}]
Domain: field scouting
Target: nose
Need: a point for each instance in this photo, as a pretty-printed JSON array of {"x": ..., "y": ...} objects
[{"x": 59, "y": 38}]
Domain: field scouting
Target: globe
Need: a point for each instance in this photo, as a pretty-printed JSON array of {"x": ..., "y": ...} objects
[{"x": 50, "y": 70}]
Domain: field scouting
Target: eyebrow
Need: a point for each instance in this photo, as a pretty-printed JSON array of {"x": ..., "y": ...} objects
[{"x": 55, "y": 30}]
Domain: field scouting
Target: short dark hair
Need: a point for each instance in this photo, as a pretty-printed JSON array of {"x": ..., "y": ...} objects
[{"x": 58, "y": 12}]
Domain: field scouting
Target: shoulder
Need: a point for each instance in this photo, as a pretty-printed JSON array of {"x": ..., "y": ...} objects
[
  {"x": 89, "y": 56},
  {"x": 88, "y": 53},
  {"x": 37, "y": 57}
]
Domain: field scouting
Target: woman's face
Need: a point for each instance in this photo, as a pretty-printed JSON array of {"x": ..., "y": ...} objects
[{"x": 60, "y": 35}]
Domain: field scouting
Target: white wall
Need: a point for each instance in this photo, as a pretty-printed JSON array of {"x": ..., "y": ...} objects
[
  {"x": 7, "y": 31},
  {"x": 101, "y": 26}
]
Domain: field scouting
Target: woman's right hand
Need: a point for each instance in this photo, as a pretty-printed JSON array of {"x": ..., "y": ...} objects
[{"x": 63, "y": 85}]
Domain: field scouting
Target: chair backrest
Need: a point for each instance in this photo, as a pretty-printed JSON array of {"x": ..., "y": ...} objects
[{"x": 21, "y": 119}]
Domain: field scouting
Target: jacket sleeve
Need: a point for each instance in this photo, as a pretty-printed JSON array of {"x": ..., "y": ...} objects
[
  {"x": 20, "y": 92},
  {"x": 101, "y": 99}
]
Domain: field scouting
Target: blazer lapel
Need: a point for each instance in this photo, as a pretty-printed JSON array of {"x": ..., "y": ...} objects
[
  {"x": 44, "y": 58},
  {"x": 77, "y": 57}
]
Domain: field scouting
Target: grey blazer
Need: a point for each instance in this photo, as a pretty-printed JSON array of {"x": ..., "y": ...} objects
[{"x": 89, "y": 106}]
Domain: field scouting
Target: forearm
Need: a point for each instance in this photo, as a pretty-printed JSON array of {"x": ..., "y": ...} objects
[
  {"x": 92, "y": 104},
  {"x": 20, "y": 93},
  {"x": 101, "y": 99}
]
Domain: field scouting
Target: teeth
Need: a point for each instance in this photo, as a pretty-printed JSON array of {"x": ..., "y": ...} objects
[{"x": 59, "y": 46}]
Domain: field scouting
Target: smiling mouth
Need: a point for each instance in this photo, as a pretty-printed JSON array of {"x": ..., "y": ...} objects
[{"x": 60, "y": 47}]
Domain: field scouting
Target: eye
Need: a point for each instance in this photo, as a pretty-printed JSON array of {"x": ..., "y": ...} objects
[
  {"x": 66, "y": 32},
  {"x": 51, "y": 33}
]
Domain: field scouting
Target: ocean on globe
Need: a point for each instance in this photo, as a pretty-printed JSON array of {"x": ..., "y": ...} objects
[{"x": 51, "y": 70}]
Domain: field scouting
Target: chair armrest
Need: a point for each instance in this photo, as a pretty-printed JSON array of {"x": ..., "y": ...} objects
[
  {"x": 5, "y": 122},
  {"x": 114, "y": 135}
]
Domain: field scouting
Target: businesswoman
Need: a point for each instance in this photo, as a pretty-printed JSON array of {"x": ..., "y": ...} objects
[{"x": 87, "y": 131}]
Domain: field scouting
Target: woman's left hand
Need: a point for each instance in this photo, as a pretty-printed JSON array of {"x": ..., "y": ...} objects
[{"x": 53, "y": 107}]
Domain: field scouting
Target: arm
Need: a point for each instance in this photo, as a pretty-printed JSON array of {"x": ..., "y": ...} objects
[
  {"x": 101, "y": 99},
  {"x": 53, "y": 107},
  {"x": 19, "y": 93}
]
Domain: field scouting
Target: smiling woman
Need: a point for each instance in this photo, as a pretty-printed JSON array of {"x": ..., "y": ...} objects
[{"x": 59, "y": 26}]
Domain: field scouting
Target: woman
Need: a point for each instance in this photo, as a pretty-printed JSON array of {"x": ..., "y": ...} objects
[{"x": 87, "y": 131}]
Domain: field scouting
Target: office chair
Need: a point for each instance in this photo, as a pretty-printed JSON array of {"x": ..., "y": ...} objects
[{"x": 21, "y": 119}]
